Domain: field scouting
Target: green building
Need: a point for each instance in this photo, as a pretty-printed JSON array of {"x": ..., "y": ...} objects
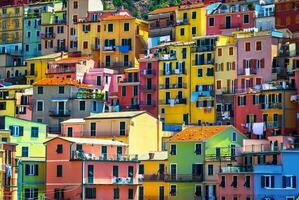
[{"x": 195, "y": 156}]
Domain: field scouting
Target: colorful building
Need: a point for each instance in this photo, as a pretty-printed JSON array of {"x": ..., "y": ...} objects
[
  {"x": 37, "y": 67},
  {"x": 286, "y": 15},
  {"x": 16, "y": 101},
  {"x": 195, "y": 155},
  {"x": 12, "y": 69},
  {"x": 103, "y": 169},
  {"x": 152, "y": 175},
  {"x": 58, "y": 99},
  {"x": 129, "y": 127}
]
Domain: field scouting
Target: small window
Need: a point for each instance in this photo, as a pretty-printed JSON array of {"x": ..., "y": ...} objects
[
  {"x": 70, "y": 131},
  {"x": 116, "y": 193},
  {"x": 59, "y": 171},
  {"x": 99, "y": 80},
  {"x": 246, "y": 19},
  {"x": 193, "y": 30},
  {"x": 85, "y": 45},
  {"x": 90, "y": 193},
  {"x": 194, "y": 15},
  {"x": 34, "y": 132},
  {"x": 93, "y": 129},
  {"x": 82, "y": 105},
  {"x": 40, "y": 90},
  {"x": 234, "y": 136},
  {"x": 75, "y": 4},
  {"x": 182, "y": 31},
  {"x": 247, "y": 46},
  {"x": 172, "y": 149},
  {"x": 173, "y": 190},
  {"x": 126, "y": 26},
  {"x": 199, "y": 72},
  {"x": 123, "y": 91},
  {"x": 130, "y": 193},
  {"x": 122, "y": 128},
  {"x": 61, "y": 90},
  {"x": 258, "y": 45},
  {"x": 211, "y": 21},
  {"x": 59, "y": 148},
  {"x": 40, "y": 106},
  {"x": 231, "y": 51},
  {"x": 235, "y": 182},
  {"x": 219, "y": 52},
  {"x": 110, "y": 27},
  {"x": 198, "y": 149},
  {"x": 210, "y": 170},
  {"x": 141, "y": 169},
  {"x": 25, "y": 151}
]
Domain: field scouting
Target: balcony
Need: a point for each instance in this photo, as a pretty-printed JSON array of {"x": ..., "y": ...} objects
[
  {"x": 273, "y": 124},
  {"x": 265, "y": 148},
  {"x": 109, "y": 48},
  {"x": 232, "y": 26},
  {"x": 30, "y": 15},
  {"x": 129, "y": 107},
  {"x": 60, "y": 49},
  {"x": 148, "y": 89},
  {"x": 203, "y": 62},
  {"x": 236, "y": 169},
  {"x": 167, "y": 56},
  {"x": 118, "y": 65},
  {"x": 110, "y": 180},
  {"x": 295, "y": 98},
  {"x": 173, "y": 101},
  {"x": 129, "y": 82},
  {"x": 60, "y": 70},
  {"x": 267, "y": 106},
  {"x": 148, "y": 72},
  {"x": 174, "y": 72},
  {"x": 202, "y": 48},
  {"x": 247, "y": 71},
  {"x": 183, "y": 178},
  {"x": 48, "y": 35},
  {"x": 90, "y": 94},
  {"x": 145, "y": 104},
  {"x": 265, "y": 14},
  {"x": 169, "y": 24},
  {"x": 96, "y": 47},
  {"x": 173, "y": 86},
  {"x": 86, "y": 156},
  {"x": 60, "y": 113},
  {"x": 180, "y": 22}
]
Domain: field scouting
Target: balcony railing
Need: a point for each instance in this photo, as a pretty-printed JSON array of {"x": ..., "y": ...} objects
[
  {"x": 247, "y": 71},
  {"x": 59, "y": 49},
  {"x": 148, "y": 72},
  {"x": 172, "y": 178},
  {"x": 62, "y": 113},
  {"x": 145, "y": 104},
  {"x": 174, "y": 72},
  {"x": 160, "y": 26},
  {"x": 108, "y": 48},
  {"x": 148, "y": 89},
  {"x": 118, "y": 64},
  {"x": 48, "y": 35},
  {"x": 203, "y": 48},
  {"x": 266, "y": 148},
  {"x": 236, "y": 169},
  {"x": 173, "y": 101},
  {"x": 81, "y": 155},
  {"x": 182, "y": 22},
  {"x": 232, "y": 26},
  {"x": 173, "y": 86},
  {"x": 61, "y": 70},
  {"x": 203, "y": 62},
  {"x": 266, "y": 106},
  {"x": 167, "y": 56},
  {"x": 129, "y": 107},
  {"x": 110, "y": 180}
]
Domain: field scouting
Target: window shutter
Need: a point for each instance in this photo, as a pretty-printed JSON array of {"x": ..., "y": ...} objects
[
  {"x": 244, "y": 100},
  {"x": 234, "y": 66},
  {"x": 262, "y": 181},
  {"x": 283, "y": 181},
  {"x": 27, "y": 169},
  {"x": 279, "y": 97},
  {"x": 11, "y": 128},
  {"x": 244, "y": 64},
  {"x": 272, "y": 182},
  {"x": 222, "y": 66},
  {"x": 36, "y": 169},
  {"x": 263, "y": 63},
  {"x": 21, "y": 131},
  {"x": 227, "y": 64},
  {"x": 294, "y": 181}
]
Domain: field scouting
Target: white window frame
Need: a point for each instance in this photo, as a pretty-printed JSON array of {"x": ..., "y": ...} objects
[
  {"x": 31, "y": 170},
  {"x": 269, "y": 177},
  {"x": 176, "y": 190},
  {"x": 290, "y": 197},
  {"x": 176, "y": 150},
  {"x": 291, "y": 181},
  {"x": 37, "y": 101}
]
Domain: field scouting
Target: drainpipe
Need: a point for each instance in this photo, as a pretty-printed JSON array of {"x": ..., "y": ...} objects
[
  {"x": 190, "y": 80},
  {"x": 83, "y": 191},
  {"x": 20, "y": 178}
]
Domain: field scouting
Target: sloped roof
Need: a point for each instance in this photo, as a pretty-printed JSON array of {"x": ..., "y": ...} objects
[
  {"x": 157, "y": 155},
  {"x": 198, "y": 133},
  {"x": 59, "y": 81},
  {"x": 71, "y": 60},
  {"x": 118, "y": 17},
  {"x": 164, "y": 10},
  {"x": 90, "y": 141},
  {"x": 45, "y": 57}
]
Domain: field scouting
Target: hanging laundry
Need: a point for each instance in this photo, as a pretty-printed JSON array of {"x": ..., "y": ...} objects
[
  {"x": 258, "y": 128},
  {"x": 194, "y": 96}
]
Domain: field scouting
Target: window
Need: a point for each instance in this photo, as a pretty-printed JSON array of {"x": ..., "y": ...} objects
[
  {"x": 31, "y": 169},
  {"x": 59, "y": 148},
  {"x": 290, "y": 198},
  {"x": 197, "y": 192},
  {"x": 99, "y": 28},
  {"x": 75, "y": 6},
  {"x": 246, "y": 19},
  {"x": 82, "y": 105},
  {"x": 69, "y": 131},
  {"x": 289, "y": 181},
  {"x": 25, "y": 151},
  {"x": 222, "y": 184},
  {"x": 210, "y": 170},
  {"x": 182, "y": 31},
  {"x": 141, "y": 193},
  {"x": 173, "y": 190},
  {"x": 90, "y": 193},
  {"x": 259, "y": 46},
  {"x": 99, "y": 80},
  {"x": 58, "y": 194},
  {"x": 59, "y": 170},
  {"x": 218, "y": 84},
  {"x": 234, "y": 136},
  {"x": 211, "y": 21},
  {"x": 115, "y": 171},
  {"x": 126, "y": 26},
  {"x": 110, "y": 27},
  {"x": 28, "y": 34},
  {"x": 231, "y": 51},
  {"x": 85, "y": 45},
  {"x": 247, "y": 181},
  {"x": 122, "y": 128},
  {"x": 2, "y": 105},
  {"x": 219, "y": 52},
  {"x": 193, "y": 30},
  {"x": 40, "y": 90},
  {"x": 31, "y": 193},
  {"x": 27, "y": 47},
  {"x": 40, "y": 105},
  {"x": 123, "y": 91},
  {"x": 34, "y": 132},
  {"x": 198, "y": 149},
  {"x": 61, "y": 90},
  {"x": 60, "y": 29},
  {"x": 172, "y": 149},
  {"x": 93, "y": 129},
  {"x": 116, "y": 193},
  {"x": 267, "y": 181},
  {"x": 130, "y": 193},
  {"x": 247, "y": 46},
  {"x": 199, "y": 72},
  {"x": 235, "y": 182},
  {"x": 241, "y": 100},
  {"x": 16, "y": 131},
  {"x": 194, "y": 15},
  {"x": 75, "y": 18}
]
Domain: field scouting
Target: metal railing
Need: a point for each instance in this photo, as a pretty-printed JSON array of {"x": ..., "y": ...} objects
[
  {"x": 48, "y": 35},
  {"x": 173, "y": 86},
  {"x": 236, "y": 169},
  {"x": 61, "y": 70},
  {"x": 147, "y": 72},
  {"x": 172, "y": 177},
  {"x": 81, "y": 155},
  {"x": 61, "y": 113},
  {"x": 173, "y": 72}
]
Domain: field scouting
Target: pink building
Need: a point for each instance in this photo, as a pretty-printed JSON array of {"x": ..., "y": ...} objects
[
  {"x": 230, "y": 17},
  {"x": 149, "y": 68},
  {"x": 255, "y": 58},
  {"x": 72, "y": 67},
  {"x": 14, "y": 2},
  {"x": 297, "y": 97},
  {"x": 102, "y": 169}
]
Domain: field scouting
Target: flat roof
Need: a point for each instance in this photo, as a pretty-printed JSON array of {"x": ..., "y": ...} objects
[{"x": 111, "y": 115}]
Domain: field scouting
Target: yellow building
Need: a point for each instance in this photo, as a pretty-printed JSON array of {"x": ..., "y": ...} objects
[
  {"x": 190, "y": 22},
  {"x": 114, "y": 41},
  {"x": 11, "y": 29},
  {"x": 37, "y": 66},
  {"x": 153, "y": 175},
  {"x": 14, "y": 100},
  {"x": 202, "y": 81},
  {"x": 174, "y": 82}
]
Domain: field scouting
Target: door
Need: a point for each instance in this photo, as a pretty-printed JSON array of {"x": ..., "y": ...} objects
[
  {"x": 130, "y": 171},
  {"x": 186, "y": 119},
  {"x": 167, "y": 97},
  {"x": 161, "y": 193},
  {"x": 104, "y": 152},
  {"x": 61, "y": 108},
  {"x": 90, "y": 173},
  {"x": 173, "y": 171},
  {"x": 149, "y": 83},
  {"x": 228, "y": 22},
  {"x": 197, "y": 170},
  {"x": 166, "y": 83}
]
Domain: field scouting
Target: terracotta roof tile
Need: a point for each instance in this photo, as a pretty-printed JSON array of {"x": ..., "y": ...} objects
[
  {"x": 198, "y": 133},
  {"x": 118, "y": 17},
  {"x": 164, "y": 10},
  {"x": 71, "y": 59},
  {"x": 60, "y": 81}
]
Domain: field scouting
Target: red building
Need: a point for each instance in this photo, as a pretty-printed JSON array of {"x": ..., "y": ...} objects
[
  {"x": 296, "y": 97},
  {"x": 228, "y": 18},
  {"x": 13, "y": 2},
  {"x": 128, "y": 90},
  {"x": 286, "y": 15},
  {"x": 149, "y": 84}
]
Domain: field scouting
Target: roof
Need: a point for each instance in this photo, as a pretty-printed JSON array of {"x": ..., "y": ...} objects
[
  {"x": 32, "y": 159},
  {"x": 59, "y": 81},
  {"x": 192, "y": 6},
  {"x": 73, "y": 120},
  {"x": 118, "y": 17},
  {"x": 115, "y": 115},
  {"x": 157, "y": 155},
  {"x": 16, "y": 87},
  {"x": 44, "y": 57},
  {"x": 72, "y": 60},
  {"x": 198, "y": 133},
  {"x": 89, "y": 141},
  {"x": 164, "y": 10}
]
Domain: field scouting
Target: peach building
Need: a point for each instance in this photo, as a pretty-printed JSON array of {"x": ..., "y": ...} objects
[{"x": 103, "y": 170}]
